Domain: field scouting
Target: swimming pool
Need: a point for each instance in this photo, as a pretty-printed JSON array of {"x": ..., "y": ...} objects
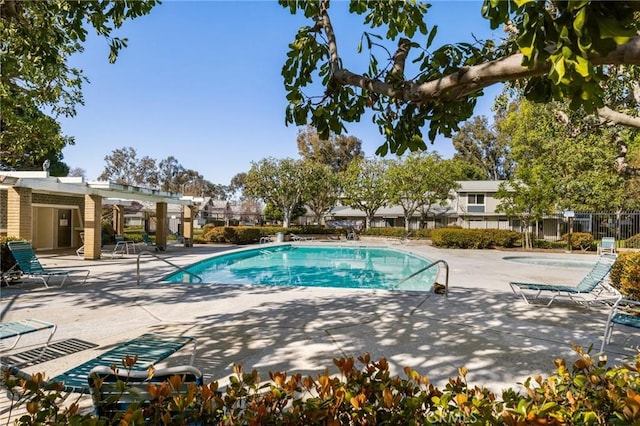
[{"x": 311, "y": 266}]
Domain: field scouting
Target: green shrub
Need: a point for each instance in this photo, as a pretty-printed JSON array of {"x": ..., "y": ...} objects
[
  {"x": 232, "y": 234},
  {"x": 422, "y": 233},
  {"x": 214, "y": 235},
  {"x": 6, "y": 259},
  {"x": 632, "y": 242},
  {"x": 544, "y": 244},
  {"x": 625, "y": 274},
  {"x": 585, "y": 392},
  {"x": 474, "y": 238},
  {"x": 580, "y": 240}
]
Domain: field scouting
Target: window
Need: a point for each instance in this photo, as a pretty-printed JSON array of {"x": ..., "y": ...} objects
[
  {"x": 475, "y": 199},
  {"x": 475, "y": 203}
]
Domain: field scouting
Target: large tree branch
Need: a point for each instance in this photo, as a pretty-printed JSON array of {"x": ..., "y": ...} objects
[
  {"x": 471, "y": 79},
  {"x": 616, "y": 117}
]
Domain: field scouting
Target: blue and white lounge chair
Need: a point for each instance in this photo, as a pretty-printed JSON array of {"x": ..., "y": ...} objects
[
  {"x": 591, "y": 289},
  {"x": 149, "y": 348},
  {"x": 624, "y": 312},
  {"x": 607, "y": 246},
  {"x": 30, "y": 266},
  {"x": 114, "y": 390},
  {"x": 17, "y": 329}
]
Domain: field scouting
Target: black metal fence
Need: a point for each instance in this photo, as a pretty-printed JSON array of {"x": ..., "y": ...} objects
[{"x": 620, "y": 225}]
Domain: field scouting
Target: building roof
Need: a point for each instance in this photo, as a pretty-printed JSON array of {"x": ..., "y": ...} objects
[
  {"x": 479, "y": 185},
  {"x": 43, "y": 183}
]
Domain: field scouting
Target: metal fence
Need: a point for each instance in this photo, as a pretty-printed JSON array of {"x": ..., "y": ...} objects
[{"x": 620, "y": 225}]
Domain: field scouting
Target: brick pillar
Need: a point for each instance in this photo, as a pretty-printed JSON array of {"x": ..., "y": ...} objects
[
  {"x": 19, "y": 213},
  {"x": 118, "y": 219},
  {"x": 187, "y": 225},
  {"x": 92, "y": 226},
  {"x": 161, "y": 224}
]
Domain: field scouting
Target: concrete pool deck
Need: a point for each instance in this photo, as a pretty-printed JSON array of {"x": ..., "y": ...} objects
[{"x": 482, "y": 325}]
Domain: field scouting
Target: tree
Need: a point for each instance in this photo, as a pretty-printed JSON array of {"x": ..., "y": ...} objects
[
  {"x": 556, "y": 50},
  {"x": 577, "y": 159},
  {"x": 321, "y": 189},
  {"x": 337, "y": 151},
  {"x": 480, "y": 145},
  {"x": 120, "y": 166},
  {"x": 529, "y": 197},
  {"x": 365, "y": 186},
  {"x": 274, "y": 213},
  {"x": 28, "y": 138},
  {"x": 278, "y": 182},
  {"x": 78, "y": 172},
  {"x": 237, "y": 184},
  {"x": 124, "y": 167},
  {"x": 171, "y": 174},
  {"x": 38, "y": 39}
]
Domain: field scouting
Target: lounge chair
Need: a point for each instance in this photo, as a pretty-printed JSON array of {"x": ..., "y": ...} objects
[
  {"x": 592, "y": 288},
  {"x": 123, "y": 245},
  {"x": 114, "y": 390},
  {"x": 295, "y": 237},
  {"x": 149, "y": 348},
  {"x": 147, "y": 242},
  {"x": 16, "y": 329},
  {"x": 80, "y": 250},
  {"x": 30, "y": 266},
  {"x": 607, "y": 246},
  {"x": 624, "y": 312}
]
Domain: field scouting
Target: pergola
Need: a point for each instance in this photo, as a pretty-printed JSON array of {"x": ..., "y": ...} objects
[{"x": 17, "y": 209}]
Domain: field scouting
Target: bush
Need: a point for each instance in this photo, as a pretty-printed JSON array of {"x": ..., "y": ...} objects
[
  {"x": 232, "y": 235},
  {"x": 585, "y": 392},
  {"x": 580, "y": 240},
  {"x": 625, "y": 274},
  {"x": 474, "y": 238},
  {"x": 6, "y": 258},
  {"x": 544, "y": 244},
  {"x": 632, "y": 242}
]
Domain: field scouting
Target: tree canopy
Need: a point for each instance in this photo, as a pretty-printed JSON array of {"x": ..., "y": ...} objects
[
  {"x": 554, "y": 50},
  {"x": 337, "y": 151},
  {"x": 36, "y": 83}
]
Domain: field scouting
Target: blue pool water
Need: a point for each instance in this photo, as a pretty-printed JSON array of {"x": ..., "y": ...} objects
[{"x": 309, "y": 266}]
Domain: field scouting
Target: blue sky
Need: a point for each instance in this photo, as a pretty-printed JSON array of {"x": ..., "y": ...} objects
[{"x": 200, "y": 80}]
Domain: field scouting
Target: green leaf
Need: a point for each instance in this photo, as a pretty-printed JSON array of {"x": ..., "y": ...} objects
[
  {"x": 582, "y": 66},
  {"x": 579, "y": 20}
]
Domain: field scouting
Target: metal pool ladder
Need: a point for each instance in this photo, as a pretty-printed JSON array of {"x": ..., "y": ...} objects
[
  {"x": 429, "y": 266},
  {"x": 179, "y": 268}
]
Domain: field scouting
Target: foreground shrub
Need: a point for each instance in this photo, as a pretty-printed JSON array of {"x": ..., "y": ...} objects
[
  {"x": 585, "y": 392},
  {"x": 625, "y": 274},
  {"x": 474, "y": 238}
]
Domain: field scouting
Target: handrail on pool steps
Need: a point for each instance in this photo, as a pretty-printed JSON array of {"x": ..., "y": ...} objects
[
  {"x": 181, "y": 269},
  {"x": 429, "y": 266}
]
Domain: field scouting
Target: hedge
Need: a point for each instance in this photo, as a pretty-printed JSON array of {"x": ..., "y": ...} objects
[
  {"x": 585, "y": 392},
  {"x": 474, "y": 238}
]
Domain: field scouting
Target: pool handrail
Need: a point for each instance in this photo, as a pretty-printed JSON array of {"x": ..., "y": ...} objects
[
  {"x": 429, "y": 266},
  {"x": 181, "y": 269}
]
